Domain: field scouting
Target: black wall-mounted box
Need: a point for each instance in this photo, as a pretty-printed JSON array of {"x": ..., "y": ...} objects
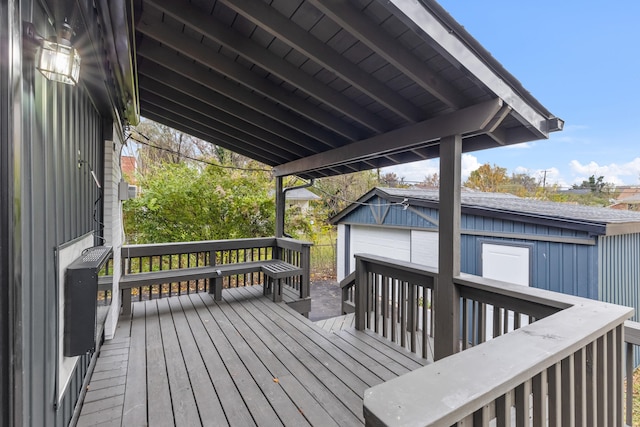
[{"x": 80, "y": 300}]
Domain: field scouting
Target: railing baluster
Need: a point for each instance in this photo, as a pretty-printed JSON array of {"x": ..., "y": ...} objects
[
  {"x": 539, "y": 390},
  {"x": 412, "y": 318},
  {"x": 385, "y": 306},
  {"x": 425, "y": 329},
  {"x": 403, "y": 314},
  {"x": 523, "y": 410},
  {"x": 590, "y": 383},
  {"x": 601, "y": 380},
  {"x": 629, "y": 387},
  {"x": 481, "y": 417},
  {"x": 394, "y": 314},
  {"x": 503, "y": 410},
  {"x": 568, "y": 391},
  {"x": 580, "y": 386}
]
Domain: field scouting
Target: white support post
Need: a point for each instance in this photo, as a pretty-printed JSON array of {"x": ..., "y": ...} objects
[{"x": 447, "y": 298}]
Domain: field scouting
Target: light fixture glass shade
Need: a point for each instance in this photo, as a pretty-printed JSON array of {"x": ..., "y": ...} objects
[{"x": 59, "y": 62}]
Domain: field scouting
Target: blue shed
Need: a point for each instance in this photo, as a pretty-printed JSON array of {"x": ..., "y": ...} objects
[{"x": 579, "y": 250}]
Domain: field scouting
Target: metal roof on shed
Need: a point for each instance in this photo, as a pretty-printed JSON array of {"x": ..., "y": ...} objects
[{"x": 602, "y": 221}]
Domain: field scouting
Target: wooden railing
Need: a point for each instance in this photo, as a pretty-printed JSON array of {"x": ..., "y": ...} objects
[
  {"x": 393, "y": 298},
  {"x": 137, "y": 259},
  {"x": 347, "y": 287},
  {"x": 529, "y": 357},
  {"x": 632, "y": 340}
]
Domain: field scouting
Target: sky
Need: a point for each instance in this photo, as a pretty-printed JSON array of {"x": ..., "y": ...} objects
[{"x": 581, "y": 60}]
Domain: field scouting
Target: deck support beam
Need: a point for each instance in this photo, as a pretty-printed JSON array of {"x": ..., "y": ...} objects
[
  {"x": 447, "y": 297},
  {"x": 470, "y": 120},
  {"x": 280, "y": 207}
]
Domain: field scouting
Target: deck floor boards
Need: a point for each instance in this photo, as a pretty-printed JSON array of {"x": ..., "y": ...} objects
[{"x": 189, "y": 360}]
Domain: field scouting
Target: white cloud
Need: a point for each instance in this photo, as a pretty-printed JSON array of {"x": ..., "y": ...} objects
[
  {"x": 617, "y": 174},
  {"x": 416, "y": 172},
  {"x": 469, "y": 164}
]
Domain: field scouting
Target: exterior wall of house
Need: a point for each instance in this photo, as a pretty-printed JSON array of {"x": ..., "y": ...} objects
[
  {"x": 568, "y": 266},
  {"x": 51, "y": 137},
  {"x": 113, "y": 231}
]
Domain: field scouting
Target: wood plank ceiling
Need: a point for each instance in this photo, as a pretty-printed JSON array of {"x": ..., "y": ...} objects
[{"x": 283, "y": 80}]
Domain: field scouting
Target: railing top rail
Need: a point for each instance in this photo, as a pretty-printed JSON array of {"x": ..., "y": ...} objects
[
  {"x": 632, "y": 332},
  {"x": 397, "y": 264},
  {"x": 289, "y": 243},
  {"x": 200, "y": 246},
  {"x": 348, "y": 281},
  {"x": 526, "y": 293},
  {"x": 453, "y": 388}
]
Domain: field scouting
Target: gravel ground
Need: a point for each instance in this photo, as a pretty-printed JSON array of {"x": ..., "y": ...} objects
[{"x": 325, "y": 299}]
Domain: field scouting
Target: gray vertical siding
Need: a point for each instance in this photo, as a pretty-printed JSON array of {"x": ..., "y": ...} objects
[
  {"x": 619, "y": 273},
  {"x": 53, "y": 201},
  {"x": 9, "y": 73},
  {"x": 562, "y": 267}
]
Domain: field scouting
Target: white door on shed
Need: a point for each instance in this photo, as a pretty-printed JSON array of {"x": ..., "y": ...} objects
[
  {"x": 508, "y": 264},
  {"x": 388, "y": 242},
  {"x": 424, "y": 248}
]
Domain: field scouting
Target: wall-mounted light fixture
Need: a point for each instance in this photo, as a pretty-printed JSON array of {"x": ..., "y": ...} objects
[{"x": 56, "y": 59}]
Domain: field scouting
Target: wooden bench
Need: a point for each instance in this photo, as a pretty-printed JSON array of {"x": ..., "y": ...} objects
[{"x": 274, "y": 270}]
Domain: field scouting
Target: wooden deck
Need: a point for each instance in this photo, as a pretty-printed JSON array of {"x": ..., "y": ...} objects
[
  {"x": 189, "y": 361},
  {"x": 348, "y": 322}
]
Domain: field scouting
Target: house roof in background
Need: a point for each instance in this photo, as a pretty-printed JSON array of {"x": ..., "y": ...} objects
[
  {"x": 322, "y": 87},
  {"x": 301, "y": 194},
  {"x": 597, "y": 220}
]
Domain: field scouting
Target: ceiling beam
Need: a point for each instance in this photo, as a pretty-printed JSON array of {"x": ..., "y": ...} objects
[
  {"x": 415, "y": 14},
  {"x": 252, "y": 107},
  {"x": 208, "y": 26},
  {"x": 219, "y": 131},
  {"x": 159, "y": 94},
  {"x": 231, "y": 69},
  {"x": 354, "y": 21},
  {"x": 270, "y": 20},
  {"x": 160, "y": 80},
  {"x": 470, "y": 119},
  {"x": 169, "y": 119}
]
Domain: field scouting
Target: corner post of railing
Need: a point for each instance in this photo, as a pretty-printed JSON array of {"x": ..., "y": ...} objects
[
  {"x": 305, "y": 264},
  {"x": 361, "y": 293},
  {"x": 215, "y": 282},
  {"x": 125, "y": 294}
]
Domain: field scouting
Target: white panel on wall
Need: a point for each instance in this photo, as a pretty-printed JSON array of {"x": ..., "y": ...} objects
[
  {"x": 507, "y": 264},
  {"x": 424, "y": 248}
]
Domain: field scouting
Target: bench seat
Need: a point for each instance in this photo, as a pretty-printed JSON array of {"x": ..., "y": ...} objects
[{"x": 275, "y": 270}]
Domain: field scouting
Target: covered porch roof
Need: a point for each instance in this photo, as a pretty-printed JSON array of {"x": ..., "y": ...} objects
[{"x": 323, "y": 87}]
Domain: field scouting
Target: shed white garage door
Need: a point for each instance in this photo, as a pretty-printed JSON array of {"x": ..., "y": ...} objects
[{"x": 388, "y": 242}]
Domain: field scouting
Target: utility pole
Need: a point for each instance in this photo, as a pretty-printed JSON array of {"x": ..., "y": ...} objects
[{"x": 544, "y": 179}]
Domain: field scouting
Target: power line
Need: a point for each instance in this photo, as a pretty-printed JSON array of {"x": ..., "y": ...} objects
[{"x": 197, "y": 160}]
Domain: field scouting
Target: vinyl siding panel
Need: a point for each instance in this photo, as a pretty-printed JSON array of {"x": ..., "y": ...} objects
[{"x": 619, "y": 273}]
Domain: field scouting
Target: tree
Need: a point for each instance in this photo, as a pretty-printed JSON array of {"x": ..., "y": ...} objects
[
  {"x": 487, "y": 178},
  {"x": 180, "y": 202},
  {"x": 430, "y": 181},
  {"x": 340, "y": 191},
  {"x": 391, "y": 179},
  {"x": 595, "y": 185}
]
